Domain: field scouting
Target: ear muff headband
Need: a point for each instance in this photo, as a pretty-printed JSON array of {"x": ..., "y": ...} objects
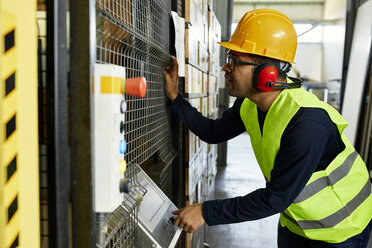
[
  {"x": 297, "y": 83},
  {"x": 265, "y": 77}
]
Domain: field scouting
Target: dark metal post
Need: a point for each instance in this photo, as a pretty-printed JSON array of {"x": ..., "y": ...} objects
[
  {"x": 82, "y": 58},
  {"x": 57, "y": 125},
  {"x": 349, "y": 30},
  {"x": 220, "y": 7}
]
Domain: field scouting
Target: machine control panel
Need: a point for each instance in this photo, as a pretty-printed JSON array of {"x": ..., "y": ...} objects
[
  {"x": 155, "y": 214},
  {"x": 108, "y": 135}
]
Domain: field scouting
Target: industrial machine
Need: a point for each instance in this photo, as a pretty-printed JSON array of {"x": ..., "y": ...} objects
[
  {"x": 109, "y": 108},
  {"x": 145, "y": 211}
]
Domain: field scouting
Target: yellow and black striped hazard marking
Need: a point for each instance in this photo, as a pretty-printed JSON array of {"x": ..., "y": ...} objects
[{"x": 8, "y": 117}]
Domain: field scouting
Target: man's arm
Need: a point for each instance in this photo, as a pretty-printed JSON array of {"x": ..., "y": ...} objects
[
  {"x": 211, "y": 131},
  {"x": 304, "y": 146}
]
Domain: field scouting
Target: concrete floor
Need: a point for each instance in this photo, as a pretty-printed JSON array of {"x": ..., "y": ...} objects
[{"x": 241, "y": 176}]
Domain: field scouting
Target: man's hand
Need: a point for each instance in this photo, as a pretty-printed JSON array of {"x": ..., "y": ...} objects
[
  {"x": 171, "y": 80},
  {"x": 189, "y": 218}
]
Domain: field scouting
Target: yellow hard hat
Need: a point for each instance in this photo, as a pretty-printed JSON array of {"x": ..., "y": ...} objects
[{"x": 264, "y": 32}]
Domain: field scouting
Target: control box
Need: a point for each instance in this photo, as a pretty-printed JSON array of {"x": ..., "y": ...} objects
[{"x": 108, "y": 113}]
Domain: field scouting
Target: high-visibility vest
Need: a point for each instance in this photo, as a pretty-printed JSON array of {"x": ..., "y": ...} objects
[{"x": 336, "y": 203}]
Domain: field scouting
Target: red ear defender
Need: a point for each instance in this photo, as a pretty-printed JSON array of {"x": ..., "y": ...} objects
[{"x": 265, "y": 73}]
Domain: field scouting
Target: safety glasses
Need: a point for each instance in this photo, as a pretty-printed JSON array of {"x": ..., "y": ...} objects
[{"x": 232, "y": 62}]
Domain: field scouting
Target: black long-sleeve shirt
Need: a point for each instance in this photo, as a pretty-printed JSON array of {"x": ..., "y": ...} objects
[{"x": 309, "y": 143}]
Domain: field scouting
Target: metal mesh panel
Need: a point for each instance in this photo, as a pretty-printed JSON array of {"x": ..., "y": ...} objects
[
  {"x": 135, "y": 34},
  {"x": 179, "y": 7},
  {"x": 165, "y": 181},
  {"x": 122, "y": 223},
  {"x": 122, "y": 231}
]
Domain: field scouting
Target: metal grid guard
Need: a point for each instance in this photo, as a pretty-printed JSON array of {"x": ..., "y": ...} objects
[{"x": 135, "y": 34}]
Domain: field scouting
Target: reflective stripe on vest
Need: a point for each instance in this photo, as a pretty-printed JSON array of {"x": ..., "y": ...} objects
[
  {"x": 319, "y": 184},
  {"x": 338, "y": 216},
  {"x": 336, "y": 203}
]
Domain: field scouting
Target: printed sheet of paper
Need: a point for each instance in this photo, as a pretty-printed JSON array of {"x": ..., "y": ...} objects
[{"x": 179, "y": 27}]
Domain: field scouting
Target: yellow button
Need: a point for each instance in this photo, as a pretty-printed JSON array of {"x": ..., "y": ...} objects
[{"x": 122, "y": 166}]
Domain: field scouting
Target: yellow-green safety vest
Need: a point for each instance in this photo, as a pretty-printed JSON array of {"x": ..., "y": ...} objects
[{"x": 336, "y": 203}]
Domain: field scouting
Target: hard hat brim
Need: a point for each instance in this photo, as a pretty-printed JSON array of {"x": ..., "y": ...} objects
[{"x": 233, "y": 47}]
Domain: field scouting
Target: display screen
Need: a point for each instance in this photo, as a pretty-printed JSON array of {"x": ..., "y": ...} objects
[{"x": 151, "y": 202}]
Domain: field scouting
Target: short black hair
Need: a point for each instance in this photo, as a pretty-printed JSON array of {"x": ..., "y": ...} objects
[{"x": 282, "y": 75}]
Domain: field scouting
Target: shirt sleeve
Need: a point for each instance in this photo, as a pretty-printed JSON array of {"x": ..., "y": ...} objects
[
  {"x": 228, "y": 126},
  {"x": 302, "y": 146}
]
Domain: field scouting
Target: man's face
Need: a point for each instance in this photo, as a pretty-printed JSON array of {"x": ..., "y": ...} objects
[{"x": 238, "y": 80}]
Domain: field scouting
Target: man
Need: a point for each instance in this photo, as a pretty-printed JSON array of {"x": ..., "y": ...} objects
[{"x": 315, "y": 179}]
